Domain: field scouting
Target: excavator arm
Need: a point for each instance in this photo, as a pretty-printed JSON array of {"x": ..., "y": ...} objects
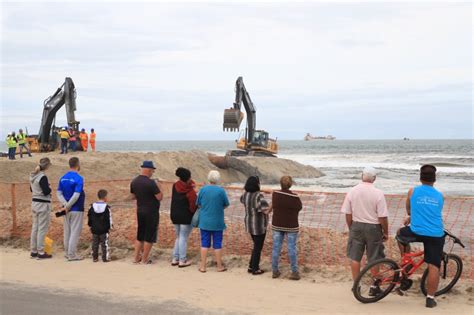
[
  {"x": 64, "y": 95},
  {"x": 233, "y": 117}
]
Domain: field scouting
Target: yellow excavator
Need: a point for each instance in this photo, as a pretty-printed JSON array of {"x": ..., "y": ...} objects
[
  {"x": 47, "y": 138},
  {"x": 254, "y": 142}
]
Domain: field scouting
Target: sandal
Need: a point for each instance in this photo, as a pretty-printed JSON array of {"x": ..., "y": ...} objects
[
  {"x": 258, "y": 272},
  {"x": 222, "y": 270},
  {"x": 184, "y": 264},
  {"x": 149, "y": 262},
  {"x": 202, "y": 270}
]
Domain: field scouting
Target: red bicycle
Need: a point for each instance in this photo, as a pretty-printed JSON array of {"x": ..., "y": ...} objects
[{"x": 379, "y": 278}]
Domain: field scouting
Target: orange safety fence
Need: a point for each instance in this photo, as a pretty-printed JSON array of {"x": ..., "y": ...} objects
[{"x": 323, "y": 231}]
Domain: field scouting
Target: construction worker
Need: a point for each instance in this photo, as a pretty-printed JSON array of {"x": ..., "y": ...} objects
[
  {"x": 72, "y": 139},
  {"x": 12, "y": 144},
  {"x": 22, "y": 143},
  {"x": 64, "y": 135},
  {"x": 92, "y": 139},
  {"x": 84, "y": 139}
]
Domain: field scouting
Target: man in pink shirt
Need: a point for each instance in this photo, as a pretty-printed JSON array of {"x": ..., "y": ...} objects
[{"x": 366, "y": 216}]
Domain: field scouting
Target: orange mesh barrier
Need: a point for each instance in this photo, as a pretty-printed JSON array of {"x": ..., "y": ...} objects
[{"x": 322, "y": 239}]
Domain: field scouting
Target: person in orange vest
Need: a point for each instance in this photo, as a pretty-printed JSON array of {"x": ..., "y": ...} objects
[
  {"x": 84, "y": 139},
  {"x": 92, "y": 139}
]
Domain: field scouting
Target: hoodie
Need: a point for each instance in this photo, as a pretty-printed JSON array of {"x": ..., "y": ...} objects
[
  {"x": 99, "y": 218},
  {"x": 183, "y": 202}
]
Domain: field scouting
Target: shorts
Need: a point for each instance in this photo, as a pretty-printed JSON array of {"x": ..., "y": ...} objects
[
  {"x": 147, "y": 230},
  {"x": 365, "y": 237},
  {"x": 433, "y": 246},
  {"x": 216, "y": 239}
]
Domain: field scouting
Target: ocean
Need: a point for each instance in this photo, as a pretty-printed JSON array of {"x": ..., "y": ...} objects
[{"x": 341, "y": 161}]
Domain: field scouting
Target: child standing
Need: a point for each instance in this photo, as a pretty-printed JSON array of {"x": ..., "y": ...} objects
[{"x": 100, "y": 222}]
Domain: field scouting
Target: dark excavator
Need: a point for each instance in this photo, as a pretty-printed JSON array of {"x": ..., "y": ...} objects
[
  {"x": 47, "y": 139},
  {"x": 254, "y": 142}
]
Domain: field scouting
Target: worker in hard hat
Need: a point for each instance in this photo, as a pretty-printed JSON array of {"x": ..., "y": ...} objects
[
  {"x": 92, "y": 139},
  {"x": 64, "y": 135},
  {"x": 12, "y": 143},
  {"x": 22, "y": 143},
  {"x": 84, "y": 139}
]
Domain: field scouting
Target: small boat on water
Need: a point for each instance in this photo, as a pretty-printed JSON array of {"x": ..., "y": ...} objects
[{"x": 309, "y": 137}]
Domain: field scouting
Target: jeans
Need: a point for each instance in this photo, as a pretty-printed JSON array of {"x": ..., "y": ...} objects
[
  {"x": 11, "y": 153},
  {"x": 278, "y": 238},
  {"x": 258, "y": 241},
  {"x": 181, "y": 243},
  {"x": 23, "y": 145},
  {"x": 72, "y": 145},
  {"x": 63, "y": 146}
]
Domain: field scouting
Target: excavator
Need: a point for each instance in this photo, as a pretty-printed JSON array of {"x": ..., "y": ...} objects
[
  {"x": 254, "y": 142},
  {"x": 47, "y": 138}
]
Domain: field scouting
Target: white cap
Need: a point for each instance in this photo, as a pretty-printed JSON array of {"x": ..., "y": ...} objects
[{"x": 370, "y": 171}]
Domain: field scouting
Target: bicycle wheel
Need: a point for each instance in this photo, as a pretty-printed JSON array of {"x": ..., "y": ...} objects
[
  {"x": 376, "y": 281},
  {"x": 449, "y": 273}
]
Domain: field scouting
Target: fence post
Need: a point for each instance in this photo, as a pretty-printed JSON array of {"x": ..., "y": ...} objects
[{"x": 13, "y": 197}]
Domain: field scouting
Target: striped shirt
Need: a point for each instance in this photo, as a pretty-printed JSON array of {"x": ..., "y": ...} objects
[{"x": 256, "y": 220}]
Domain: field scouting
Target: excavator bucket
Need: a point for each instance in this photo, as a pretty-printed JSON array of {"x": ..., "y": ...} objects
[{"x": 232, "y": 119}]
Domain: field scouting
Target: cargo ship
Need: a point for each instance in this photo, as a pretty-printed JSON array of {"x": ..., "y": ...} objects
[{"x": 309, "y": 137}]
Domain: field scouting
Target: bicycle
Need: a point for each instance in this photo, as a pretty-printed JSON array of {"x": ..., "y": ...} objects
[{"x": 379, "y": 278}]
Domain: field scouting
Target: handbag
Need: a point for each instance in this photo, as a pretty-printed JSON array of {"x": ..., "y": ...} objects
[{"x": 195, "y": 219}]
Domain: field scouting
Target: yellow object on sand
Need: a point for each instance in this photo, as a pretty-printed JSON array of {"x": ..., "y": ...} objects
[{"x": 48, "y": 245}]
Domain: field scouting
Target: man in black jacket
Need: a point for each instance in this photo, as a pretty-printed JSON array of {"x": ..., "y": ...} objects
[{"x": 100, "y": 222}]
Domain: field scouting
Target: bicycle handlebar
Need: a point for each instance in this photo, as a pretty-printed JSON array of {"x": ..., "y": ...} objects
[{"x": 455, "y": 239}]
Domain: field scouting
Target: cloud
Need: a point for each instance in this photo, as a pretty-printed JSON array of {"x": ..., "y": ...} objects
[{"x": 167, "y": 71}]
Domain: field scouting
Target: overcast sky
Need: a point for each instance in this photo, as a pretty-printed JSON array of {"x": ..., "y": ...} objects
[{"x": 163, "y": 71}]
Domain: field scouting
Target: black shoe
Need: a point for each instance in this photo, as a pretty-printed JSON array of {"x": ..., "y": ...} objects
[
  {"x": 374, "y": 291},
  {"x": 34, "y": 255},
  {"x": 95, "y": 259},
  {"x": 430, "y": 302},
  {"x": 44, "y": 256}
]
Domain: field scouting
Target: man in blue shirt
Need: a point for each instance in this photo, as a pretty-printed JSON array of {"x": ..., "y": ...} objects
[
  {"x": 424, "y": 208},
  {"x": 71, "y": 195}
]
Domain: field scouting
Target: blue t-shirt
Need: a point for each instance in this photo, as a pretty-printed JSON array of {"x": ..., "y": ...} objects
[
  {"x": 211, "y": 202},
  {"x": 426, "y": 204},
  {"x": 70, "y": 183}
]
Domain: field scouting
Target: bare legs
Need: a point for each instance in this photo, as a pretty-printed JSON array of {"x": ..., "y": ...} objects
[
  {"x": 138, "y": 251},
  {"x": 146, "y": 251},
  {"x": 217, "y": 255},
  {"x": 433, "y": 279}
]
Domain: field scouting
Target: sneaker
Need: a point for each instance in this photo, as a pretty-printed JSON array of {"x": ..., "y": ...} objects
[
  {"x": 295, "y": 276},
  {"x": 106, "y": 260},
  {"x": 174, "y": 262},
  {"x": 44, "y": 256},
  {"x": 33, "y": 255},
  {"x": 276, "y": 274},
  {"x": 77, "y": 258},
  {"x": 95, "y": 259},
  {"x": 374, "y": 290},
  {"x": 430, "y": 302}
]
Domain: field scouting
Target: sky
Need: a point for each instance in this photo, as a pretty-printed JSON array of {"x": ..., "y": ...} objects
[{"x": 167, "y": 71}]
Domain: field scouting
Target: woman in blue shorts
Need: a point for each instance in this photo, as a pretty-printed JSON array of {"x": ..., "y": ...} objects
[{"x": 212, "y": 200}]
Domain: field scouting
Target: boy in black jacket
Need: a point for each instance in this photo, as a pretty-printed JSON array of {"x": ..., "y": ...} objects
[{"x": 100, "y": 221}]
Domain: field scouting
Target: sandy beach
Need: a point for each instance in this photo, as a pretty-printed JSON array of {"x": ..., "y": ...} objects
[
  {"x": 126, "y": 165},
  {"x": 232, "y": 291}
]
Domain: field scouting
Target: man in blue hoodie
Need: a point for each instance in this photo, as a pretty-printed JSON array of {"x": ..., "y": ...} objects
[{"x": 71, "y": 195}]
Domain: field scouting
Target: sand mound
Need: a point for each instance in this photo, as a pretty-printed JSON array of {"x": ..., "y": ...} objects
[{"x": 114, "y": 165}]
